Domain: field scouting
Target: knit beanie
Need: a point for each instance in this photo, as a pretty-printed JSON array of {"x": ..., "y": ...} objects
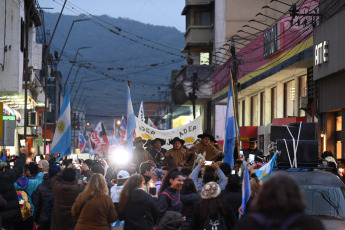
[
  {"x": 210, "y": 190},
  {"x": 53, "y": 170}
]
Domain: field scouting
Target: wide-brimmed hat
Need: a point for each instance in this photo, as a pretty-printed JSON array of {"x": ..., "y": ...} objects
[
  {"x": 253, "y": 139},
  {"x": 139, "y": 139},
  {"x": 177, "y": 139},
  {"x": 158, "y": 139},
  {"x": 212, "y": 139},
  {"x": 148, "y": 143},
  {"x": 210, "y": 190},
  {"x": 205, "y": 135}
]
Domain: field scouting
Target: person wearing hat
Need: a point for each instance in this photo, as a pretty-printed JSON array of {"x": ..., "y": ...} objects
[
  {"x": 115, "y": 191},
  {"x": 204, "y": 146},
  {"x": 177, "y": 153},
  {"x": 253, "y": 149},
  {"x": 158, "y": 153},
  {"x": 220, "y": 216},
  {"x": 139, "y": 153}
]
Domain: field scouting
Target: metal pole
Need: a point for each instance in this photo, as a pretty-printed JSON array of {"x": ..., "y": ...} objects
[
  {"x": 70, "y": 29},
  {"x": 70, "y": 70},
  {"x": 75, "y": 77},
  {"x": 46, "y": 80}
]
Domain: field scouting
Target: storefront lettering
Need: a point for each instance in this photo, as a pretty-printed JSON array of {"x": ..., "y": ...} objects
[{"x": 321, "y": 53}]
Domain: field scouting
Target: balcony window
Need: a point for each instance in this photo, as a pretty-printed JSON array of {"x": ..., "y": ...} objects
[
  {"x": 204, "y": 58},
  {"x": 289, "y": 99},
  {"x": 202, "y": 18},
  {"x": 254, "y": 111}
]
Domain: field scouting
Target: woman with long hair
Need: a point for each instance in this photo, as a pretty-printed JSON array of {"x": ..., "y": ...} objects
[
  {"x": 169, "y": 193},
  {"x": 94, "y": 208},
  {"x": 137, "y": 208},
  {"x": 279, "y": 203},
  {"x": 213, "y": 212},
  {"x": 190, "y": 202}
]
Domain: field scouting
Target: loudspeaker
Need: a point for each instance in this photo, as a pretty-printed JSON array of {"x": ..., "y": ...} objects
[
  {"x": 307, "y": 151},
  {"x": 308, "y": 130}
]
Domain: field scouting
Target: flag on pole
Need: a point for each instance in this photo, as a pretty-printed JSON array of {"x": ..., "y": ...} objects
[
  {"x": 90, "y": 148},
  {"x": 81, "y": 142},
  {"x": 62, "y": 136},
  {"x": 245, "y": 189},
  {"x": 150, "y": 123},
  {"x": 230, "y": 130},
  {"x": 141, "y": 114},
  {"x": 266, "y": 169},
  {"x": 113, "y": 136},
  {"x": 100, "y": 140},
  {"x": 131, "y": 124}
]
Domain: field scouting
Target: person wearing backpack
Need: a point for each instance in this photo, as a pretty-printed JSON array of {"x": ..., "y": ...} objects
[
  {"x": 213, "y": 213},
  {"x": 279, "y": 205},
  {"x": 11, "y": 213}
]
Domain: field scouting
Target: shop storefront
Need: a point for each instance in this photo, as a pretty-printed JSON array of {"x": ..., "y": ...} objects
[{"x": 329, "y": 79}]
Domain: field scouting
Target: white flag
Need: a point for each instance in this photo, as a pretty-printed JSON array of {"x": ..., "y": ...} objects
[
  {"x": 150, "y": 123},
  {"x": 141, "y": 114}
]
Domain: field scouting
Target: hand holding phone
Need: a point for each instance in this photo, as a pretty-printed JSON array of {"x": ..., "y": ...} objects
[
  {"x": 251, "y": 159},
  {"x": 208, "y": 162}
]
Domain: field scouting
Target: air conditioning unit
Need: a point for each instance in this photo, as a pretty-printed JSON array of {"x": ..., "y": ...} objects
[
  {"x": 32, "y": 118},
  {"x": 303, "y": 102}
]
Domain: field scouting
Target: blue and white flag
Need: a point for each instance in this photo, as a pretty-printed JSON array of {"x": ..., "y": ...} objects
[
  {"x": 245, "y": 189},
  {"x": 131, "y": 124},
  {"x": 123, "y": 125},
  {"x": 266, "y": 169},
  {"x": 90, "y": 148},
  {"x": 62, "y": 136},
  {"x": 230, "y": 130}
]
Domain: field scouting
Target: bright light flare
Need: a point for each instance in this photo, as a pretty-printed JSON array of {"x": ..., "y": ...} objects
[{"x": 119, "y": 155}]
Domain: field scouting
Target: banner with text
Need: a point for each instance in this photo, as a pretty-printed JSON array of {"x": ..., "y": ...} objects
[{"x": 188, "y": 132}]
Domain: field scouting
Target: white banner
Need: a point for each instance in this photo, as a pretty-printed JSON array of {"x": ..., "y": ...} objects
[{"x": 188, "y": 132}]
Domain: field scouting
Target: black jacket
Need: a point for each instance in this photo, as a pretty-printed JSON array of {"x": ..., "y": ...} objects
[
  {"x": 169, "y": 200},
  {"x": 256, "y": 152},
  {"x": 233, "y": 199},
  {"x": 141, "y": 211},
  {"x": 43, "y": 200},
  {"x": 7, "y": 190},
  {"x": 190, "y": 202}
]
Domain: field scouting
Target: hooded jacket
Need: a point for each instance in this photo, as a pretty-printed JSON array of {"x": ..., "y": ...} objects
[
  {"x": 190, "y": 202},
  {"x": 141, "y": 211},
  {"x": 7, "y": 190},
  {"x": 169, "y": 200}
]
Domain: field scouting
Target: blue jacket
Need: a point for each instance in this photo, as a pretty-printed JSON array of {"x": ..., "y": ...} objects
[{"x": 198, "y": 181}]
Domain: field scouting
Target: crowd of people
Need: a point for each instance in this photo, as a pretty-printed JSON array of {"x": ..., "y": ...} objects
[{"x": 159, "y": 189}]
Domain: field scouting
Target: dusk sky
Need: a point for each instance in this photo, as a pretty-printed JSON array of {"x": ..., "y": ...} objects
[{"x": 156, "y": 12}]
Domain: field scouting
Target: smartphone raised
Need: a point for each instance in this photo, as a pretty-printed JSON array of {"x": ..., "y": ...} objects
[
  {"x": 208, "y": 162},
  {"x": 251, "y": 158}
]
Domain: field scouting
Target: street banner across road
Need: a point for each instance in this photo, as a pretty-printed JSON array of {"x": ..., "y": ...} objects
[{"x": 187, "y": 132}]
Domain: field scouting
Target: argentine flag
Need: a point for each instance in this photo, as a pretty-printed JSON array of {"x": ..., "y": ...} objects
[
  {"x": 266, "y": 170},
  {"x": 230, "y": 132},
  {"x": 131, "y": 124},
  {"x": 62, "y": 136},
  {"x": 245, "y": 189}
]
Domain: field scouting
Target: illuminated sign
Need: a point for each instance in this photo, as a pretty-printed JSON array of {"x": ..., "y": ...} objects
[
  {"x": 9, "y": 118},
  {"x": 321, "y": 53}
]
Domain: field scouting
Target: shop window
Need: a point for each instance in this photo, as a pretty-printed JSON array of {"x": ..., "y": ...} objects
[
  {"x": 254, "y": 111},
  {"x": 289, "y": 99},
  {"x": 262, "y": 108},
  {"x": 303, "y": 92},
  {"x": 338, "y": 149},
  {"x": 243, "y": 113},
  {"x": 339, "y": 121},
  {"x": 273, "y": 103}
]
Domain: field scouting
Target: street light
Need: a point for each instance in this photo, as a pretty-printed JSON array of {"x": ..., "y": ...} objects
[
  {"x": 70, "y": 29},
  {"x": 75, "y": 57}
]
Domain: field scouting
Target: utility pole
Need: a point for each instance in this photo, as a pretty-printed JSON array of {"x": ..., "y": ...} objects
[
  {"x": 192, "y": 95},
  {"x": 46, "y": 80}
]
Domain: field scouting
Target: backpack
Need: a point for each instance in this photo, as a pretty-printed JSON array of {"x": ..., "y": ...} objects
[
  {"x": 25, "y": 206},
  {"x": 269, "y": 224}
]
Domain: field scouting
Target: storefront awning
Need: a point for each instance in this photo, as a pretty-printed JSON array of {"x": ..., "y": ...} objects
[{"x": 10, "y": 114}]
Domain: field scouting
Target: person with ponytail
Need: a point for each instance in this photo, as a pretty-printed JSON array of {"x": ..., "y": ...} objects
[{"x": 137, "y": 208}]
